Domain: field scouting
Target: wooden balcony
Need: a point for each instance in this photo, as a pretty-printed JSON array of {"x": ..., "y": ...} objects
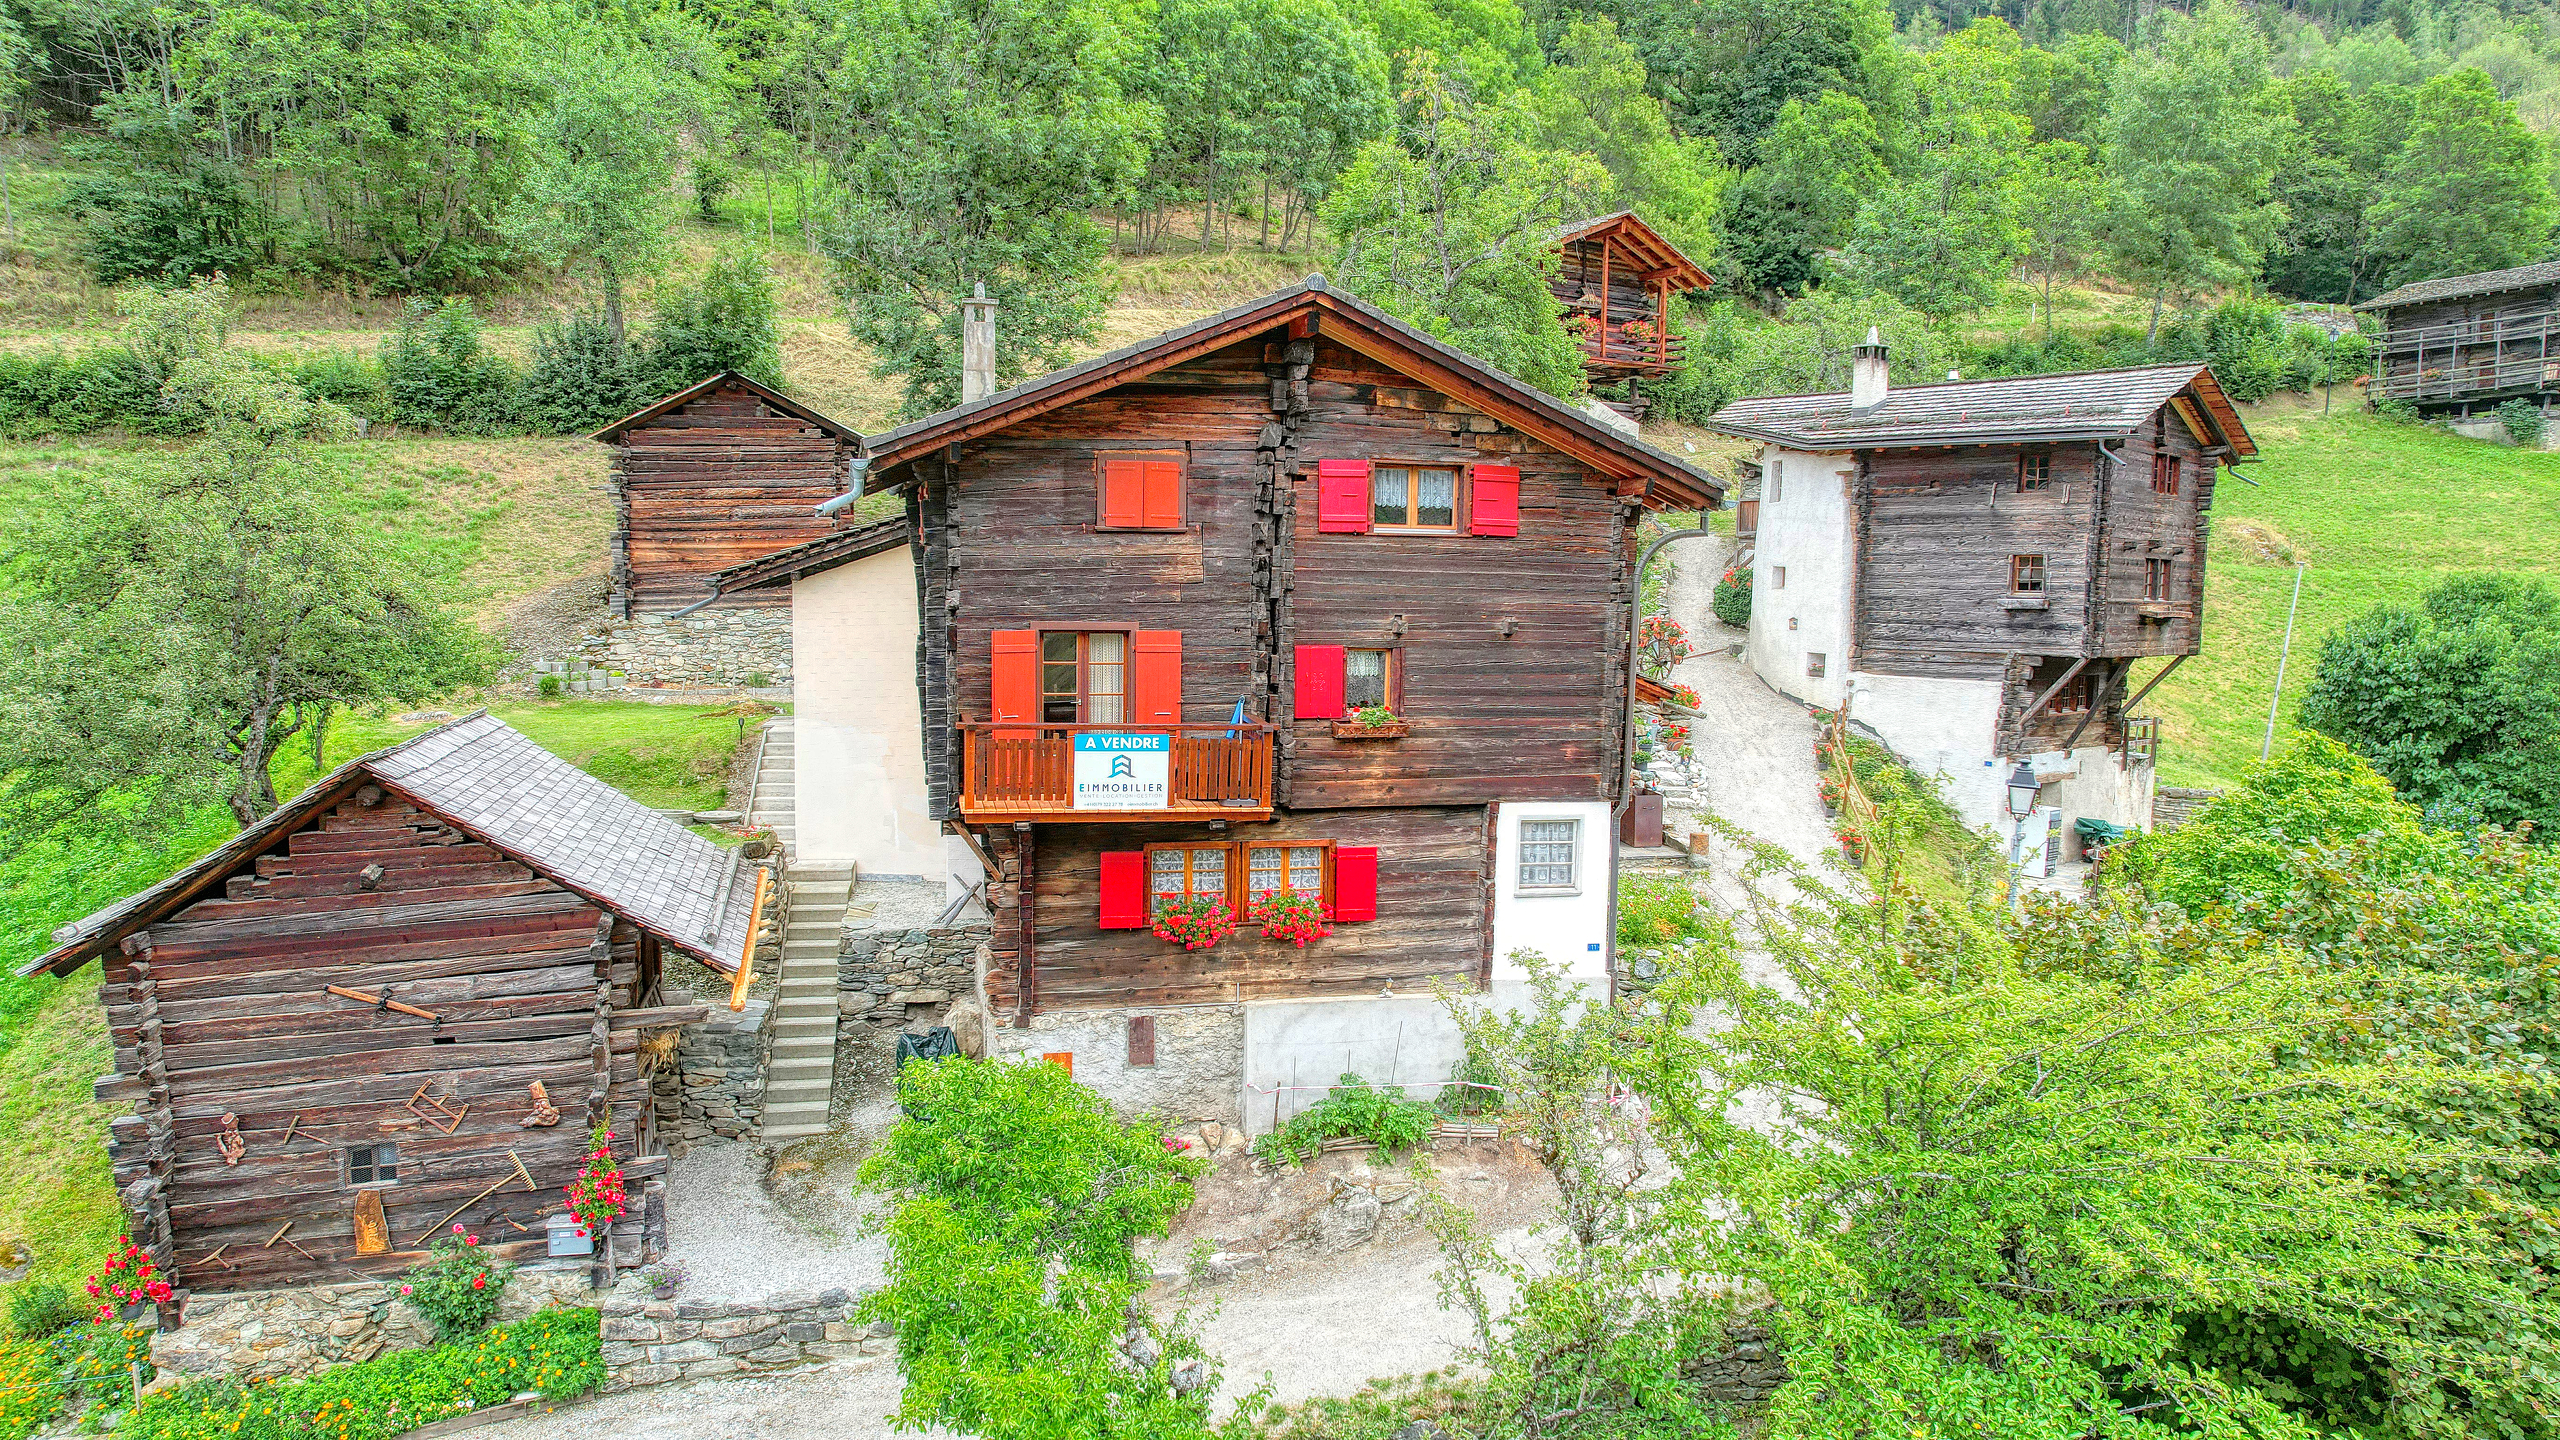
[
  {"x": 1616, "y": 354},
  {"x": 2475, "y": 359},
  {"x": 1028, "y": 772}
]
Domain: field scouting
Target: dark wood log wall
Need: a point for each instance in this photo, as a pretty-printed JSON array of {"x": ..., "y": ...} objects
[
  {"x": 1939, "y": 529},
  {"x": 713, "y": 483},
  {"x": 1432, "y": 922},
  {"x": 222, "y": 1009},
  {"x": 2141, "y": 525},
  {"x": 1631, "y": 296}
]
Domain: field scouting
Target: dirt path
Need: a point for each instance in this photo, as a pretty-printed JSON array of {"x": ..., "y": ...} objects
[{"x": 1755, "y": 744}]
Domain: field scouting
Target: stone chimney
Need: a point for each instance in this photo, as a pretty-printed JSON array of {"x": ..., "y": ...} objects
[
  {"x": 977, "y": 347},
  {"x": 1867, "y": 373}
]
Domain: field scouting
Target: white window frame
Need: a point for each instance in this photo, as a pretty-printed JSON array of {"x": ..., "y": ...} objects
[{"x": 1520, "y": 886}]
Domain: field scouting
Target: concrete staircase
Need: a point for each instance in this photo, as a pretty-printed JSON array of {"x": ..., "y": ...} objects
[
  {"x": 773, "y": 803},
  {"x": 800, "y": 1068}
]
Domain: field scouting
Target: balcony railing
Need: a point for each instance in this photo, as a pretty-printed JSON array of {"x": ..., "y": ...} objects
[
  {"x": 2515, "y": 353},
  {"x": 1028, "y": 772}
]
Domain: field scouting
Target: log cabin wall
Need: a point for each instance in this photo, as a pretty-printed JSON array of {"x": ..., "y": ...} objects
[
  {"x": 1940, "y": 529},
  {"x": 222, "y": 1010},
  {"x": 1577, "y": 283},
  {"x": 2142, "y": 525},
  {"x": 713, "y": 483},
  {"x": 1433, "y": 924}
]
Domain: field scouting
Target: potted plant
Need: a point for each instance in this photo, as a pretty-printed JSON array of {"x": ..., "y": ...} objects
[
  {"x": 1294, "y": 918},
  {"x": 1854, "y": 845},
  {"x": 596, "y": 1197},
  {"x": 1194, "y": 922},
  {"x": 663, "y": 1278},
  {"x": 1370, "y": 722},
  {"x": 129, "y": 1286}
]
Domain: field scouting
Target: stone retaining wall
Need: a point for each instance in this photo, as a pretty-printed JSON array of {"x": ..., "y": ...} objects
[
  {"x": 2172, "y": 807},
  {"x": 717, "y": 647},
  {"x": 884, "y": 976},
  {"x": 1747, "y": 1374},
  {"x": 302, "y": 1330},
  {"x": 716, "y": 1085},
  {"x": 651, "y": 1342}
]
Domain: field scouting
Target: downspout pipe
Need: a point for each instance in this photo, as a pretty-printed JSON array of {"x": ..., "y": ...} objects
[
  {"x": 856, "y": 471},
  {"x": 1627, "y": 741}
]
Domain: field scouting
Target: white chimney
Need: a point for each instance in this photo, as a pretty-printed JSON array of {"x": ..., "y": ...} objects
[
  {"x": 1867, "y": 373},
  {"x": 977, "y": 347}
]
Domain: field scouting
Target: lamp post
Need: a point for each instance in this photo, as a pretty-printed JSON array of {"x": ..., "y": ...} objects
[{"x": 2023, "y": 790}]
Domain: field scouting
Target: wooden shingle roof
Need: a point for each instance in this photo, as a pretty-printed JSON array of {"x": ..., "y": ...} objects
[
  {"x": 2451, "y": 287},
  {"x": 612, "y": 434},
  {"x": 809, "y": 558},
  {"x": 1661, "y": 258},
  {"x": 2085, "y": 405},
  {"x": 486, "y": 779}
]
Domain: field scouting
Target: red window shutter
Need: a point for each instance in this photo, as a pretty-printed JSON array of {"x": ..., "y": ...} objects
[
  {"x": 1163, "y": 504},
  {"x": 1017, "y": 677},
  {"x": 1155, "y": 677},
  {"x": 1124, "y": 889},
  {"x": 1342, "y": 497},
  {"x": 1124, "y": 487},
  {"x": 1355, "y": 882},
  {"x": 1320, "y": 677},
  {"x": 1494, "y": 506}
]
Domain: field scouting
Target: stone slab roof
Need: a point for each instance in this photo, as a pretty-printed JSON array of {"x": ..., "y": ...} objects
[
  {"x": 486, "y": 779},
  {"x": 2086, "y": 405},
  {"x": 2451, "y": 287}
]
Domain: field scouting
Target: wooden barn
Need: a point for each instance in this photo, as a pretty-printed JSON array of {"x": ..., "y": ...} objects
[
  {"x": 1615, "y": 283},
  {"x": 1170, "y": 598},
  {"x": 1975, "y": 568},
  {"x": 2468, "y": 342},
  {"x": 712, "y": 476},
  {"x": 398, "y": 1002}
]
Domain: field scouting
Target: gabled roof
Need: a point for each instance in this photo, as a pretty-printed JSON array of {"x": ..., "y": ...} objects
[
  {"x": 2084, "y": 405},
  {"x": 1661, "y": 257},
  {"x": 485, "y": 779},
  {"x": 2487, "y": 282},
  {"x": 1640, "y": 470},
  {"x": 810, "y": 557},
  {"x": 612, "y": 434}
]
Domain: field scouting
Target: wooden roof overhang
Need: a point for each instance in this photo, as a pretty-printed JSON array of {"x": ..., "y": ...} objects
[
  {"x": 1970, "y": 422},
  {"x": 824, "y": 553},
  {"x": 95, "y": 934},
  {"x": 1653, "y": 257},
  {"x": 612, "y": 434},
  {"x": 1636, "y": 471}
]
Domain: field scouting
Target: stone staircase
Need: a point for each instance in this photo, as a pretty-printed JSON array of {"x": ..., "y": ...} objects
[
  {"x": 800, "y": 1069},
  {"x": 772, "y": 804}
]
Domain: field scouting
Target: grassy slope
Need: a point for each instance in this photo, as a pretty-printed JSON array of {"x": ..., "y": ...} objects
[{"x": 2378, "y": 512}]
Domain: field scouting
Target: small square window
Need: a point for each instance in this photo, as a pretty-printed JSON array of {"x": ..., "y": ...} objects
[
  {"x": 1815, "y": 664},
  {"x": 2164, "y": 474},
  {"x": 373, "y": 1164},
  {"x": 1777, "y": 577},
  {"x": 1547, "y": 853},
  {"x": 1285, "y": 869},
  {"x": 2026, "y": 574},
  {"x": 2035, "y": 472}
]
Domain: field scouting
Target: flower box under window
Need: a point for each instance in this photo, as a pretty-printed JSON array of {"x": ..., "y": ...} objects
[{"x": 1354, "y": 730}]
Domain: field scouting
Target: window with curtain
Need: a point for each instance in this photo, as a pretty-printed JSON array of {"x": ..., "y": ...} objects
[
  {"x": 1084, "y": 677},
  {"x": 1283, "y": 869},
  {"x": 1369, "y": 679},
  {"x": 1410, "y": 497},
  {"x": 1546, "y": 853},
  {"x": 1185, "y": 872}
]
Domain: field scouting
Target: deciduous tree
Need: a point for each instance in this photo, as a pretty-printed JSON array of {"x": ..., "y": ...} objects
[{"x": 2469, "y": 191}]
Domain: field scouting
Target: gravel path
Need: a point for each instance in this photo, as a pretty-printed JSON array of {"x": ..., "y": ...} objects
[
  {"x": 733, "y": 1238},
  {"x": 1756, "y": 745},
  {"x": 843, "y": 1400}
]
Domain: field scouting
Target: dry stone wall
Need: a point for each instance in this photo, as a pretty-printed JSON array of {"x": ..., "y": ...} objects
[
  {"x": 302, "y": 1330},
  {"x": 906, "y": 979},
  {"x": 715, "y": 1087},
  {"x": 651, "y": 1342},
  {"x": 714, "y": 648},
  {"x": 2172, "y": 807}
]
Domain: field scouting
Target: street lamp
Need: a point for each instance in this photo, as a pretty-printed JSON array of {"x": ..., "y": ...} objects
[{"x": 2023, "y": 789}]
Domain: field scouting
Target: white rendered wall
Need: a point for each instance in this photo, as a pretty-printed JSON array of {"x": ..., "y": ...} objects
[
  {"x": 1571, "y": 930},
  {"x": 1806, "y": 530},
  {"x": 859, "y": 728},
  {"x": 1293, "y": 1049},
  {"x": 1945, "y": 727}
]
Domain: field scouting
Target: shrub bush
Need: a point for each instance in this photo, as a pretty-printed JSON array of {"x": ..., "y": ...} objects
[
  {"x": 2522, "y": 420},
  {"x": 61, "y": 393},
  {"x": 164, "y": 224},
  {"x": 1379, "y": 1114},
  {"x": 556, "y": 1353},
  {"x": 2241, "y": 844},
  {"x": 1732, "y": 599},
  {"x": 438, "y": 375},
  {"x": 724, "y": 321},
  {"x": 37, "y": 1310},
  {"x": 712, "y": 178},
  {"x": 581, "y": 377},
  {"x": 349, "y": 381},
  {"x": 457, "y": 1288}
]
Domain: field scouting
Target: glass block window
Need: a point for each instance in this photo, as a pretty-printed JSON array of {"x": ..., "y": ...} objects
[{"x": 1546, "y": 853}]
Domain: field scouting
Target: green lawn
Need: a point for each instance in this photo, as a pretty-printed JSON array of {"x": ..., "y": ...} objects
[
  {"x": 673, "y": 757},
  {"x": 2377, "y": 511}
]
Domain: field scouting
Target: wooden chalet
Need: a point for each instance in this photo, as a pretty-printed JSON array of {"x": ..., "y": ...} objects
[
  {"x": 1615, "y": 283},
  {"x": 1974, "y": 568},
  {"x": 399, "y": 1002},
  {"x": 2470, "y": 340},
  {"x": 713, "y": 475},
  {"x": 1155, "y": 589}
]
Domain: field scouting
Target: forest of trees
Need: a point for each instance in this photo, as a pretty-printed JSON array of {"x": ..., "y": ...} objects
[{"x": 1907, "y": 157}]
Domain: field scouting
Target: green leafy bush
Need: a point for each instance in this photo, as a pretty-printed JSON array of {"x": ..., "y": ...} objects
[
  {"x": 1657, "y": 910},
  {"x": 724, "y": 321},
  {"x": 582, "y": 377},
  {"x": 1732, "y": 599},
  {"x": 1474, "y": 1088},
  {"x": 37, "y": 1310},
  {"x": 2522, "y": 420},
  {"x": 1379, "y": 1114},
  {"x": 2242, "y": 843},
  {"x": 457, "y": 1286},
  {"x": 713, "y": 177},
  {"x": 439, "y": 376},
  {"x": 349, "y": 381},
  {"x": 57, "y": 392},
  {"x": 556, "y": 1353}
]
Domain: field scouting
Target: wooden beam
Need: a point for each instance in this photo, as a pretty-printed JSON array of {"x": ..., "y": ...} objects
[
  {"x": 2174, "y": 662},
  {"x": 2050, "y": 691},
  {"x": 2097, "y": 702},
  {"x": 1026, "y": 926},
  {"x": 747, "y": 957}
]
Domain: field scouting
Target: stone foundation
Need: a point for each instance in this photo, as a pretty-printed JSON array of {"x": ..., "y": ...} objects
[
  {"x": 651, "y": 1342},
  {"x": 1198, "y": 1072},
  {"x": 1747, "y": 1374},
  {"x": 906, "y": 979},
  {"x": 716, "y": 1086},
  {"x": 275, "y": 1334},
  {"x": 2172, "y": 807},
  {"x": 721, "y": 647}
]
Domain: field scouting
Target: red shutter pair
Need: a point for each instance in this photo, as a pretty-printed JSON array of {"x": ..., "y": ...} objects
[
  {"x": 1124, "y": 886},
  {"x": 1142, "y": 494},
  {"x": 1155, "y": 678},
  {"x": 1342, "y": 498}
]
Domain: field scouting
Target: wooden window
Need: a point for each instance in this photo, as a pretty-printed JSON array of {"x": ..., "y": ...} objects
[
  {"x": 373, "y": 1164},
  {"x": 2035, "y": 472},
  {"x": 1548, "y": 854},
  {"x": 2074, "y": 698},
  {"x": 1372, "y": 677},
  {"x": 2156, "y": 580},
  {"x": 2026, "y": 574},
  {"x": 1142, "y": 1042},
  {"x": 1084, "y": 677},
  {"x": 1816, "y": 664},
  {"x": 2164, "y": 474},
  {"x": 1187, "y": 872},
  {"x": 1141, "y": 491},
  {"x": 1287, "y": 870},
  {"x": 1777, "y": 577},
  {"x": 1413, "y": 497}
]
